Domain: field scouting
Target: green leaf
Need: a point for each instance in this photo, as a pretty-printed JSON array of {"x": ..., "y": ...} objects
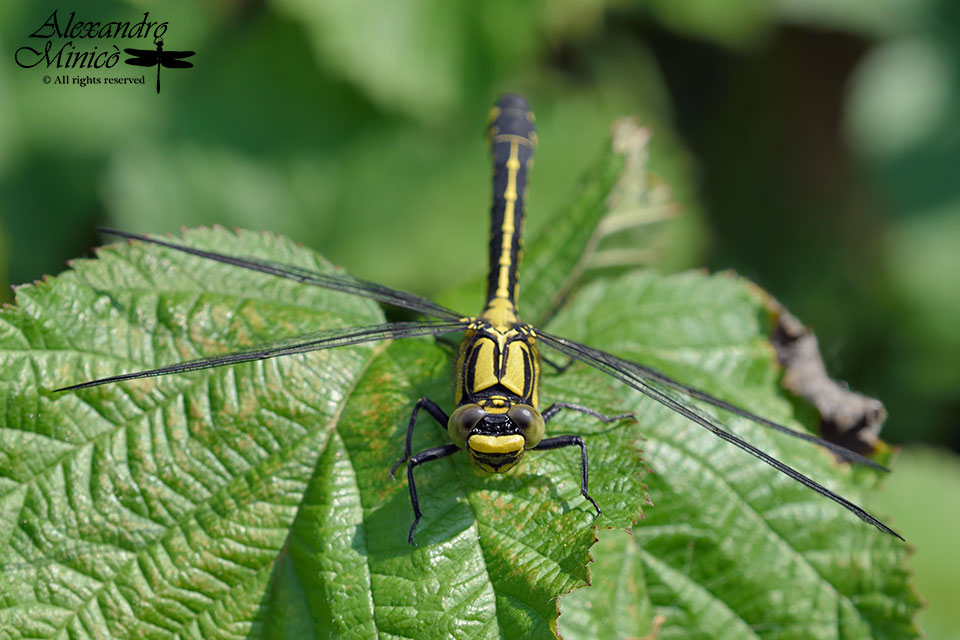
[
  {"x": 617, "y": 605},
  {"x": 737, "y": 24},
  {"x": 732, "y": 549},
  {"x": 257, "y": 497},
  {"x": 148, "y": 508},
  {"x": 410, "y": 59}
]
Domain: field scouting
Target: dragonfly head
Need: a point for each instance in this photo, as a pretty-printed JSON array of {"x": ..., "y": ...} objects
[{"x": 496, "y": 441}]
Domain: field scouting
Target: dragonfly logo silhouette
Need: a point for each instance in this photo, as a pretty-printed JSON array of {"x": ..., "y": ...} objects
[{"x": 159, "y": 58}]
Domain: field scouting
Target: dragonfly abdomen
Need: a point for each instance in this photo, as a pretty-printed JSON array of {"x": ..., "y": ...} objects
[{"x": 513, "y": 138}]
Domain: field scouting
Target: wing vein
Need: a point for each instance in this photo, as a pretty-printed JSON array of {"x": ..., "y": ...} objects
[
  {"x": 631, "y": 374},
  {"x": 326, "y": 339},
  {"x": 334, "y": 281}
]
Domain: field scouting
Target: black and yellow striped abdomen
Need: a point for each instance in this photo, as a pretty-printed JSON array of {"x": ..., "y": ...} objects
[{"x": 513, "y": 138}]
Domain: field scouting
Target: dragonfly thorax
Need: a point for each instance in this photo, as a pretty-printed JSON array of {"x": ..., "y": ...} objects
[
  {"x": 498, "y": 362},
  {"x": 501, "y": 314}
]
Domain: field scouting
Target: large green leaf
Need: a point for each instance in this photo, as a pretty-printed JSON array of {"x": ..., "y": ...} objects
[
  {"x": 255, "y": 500},
  {"x": 733, "y": 549}
]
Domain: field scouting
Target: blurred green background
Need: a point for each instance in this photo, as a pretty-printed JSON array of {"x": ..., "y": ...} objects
[{"x": 813, "y": 146}]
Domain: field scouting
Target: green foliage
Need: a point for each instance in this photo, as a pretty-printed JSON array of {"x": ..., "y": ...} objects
[
  {"x": 400, "y": 68},
  {"x": 125, "y": 499},
  {"x": 732, "y": 549},
  {"x": 314, "y": 120},
  {"x": 256, "y": 498},
  {"x": 738, "y": 23},
  {"x": 926, "y": 475}
]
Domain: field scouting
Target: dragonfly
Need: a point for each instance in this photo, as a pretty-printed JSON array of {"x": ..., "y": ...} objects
[
  {"x": 497, "y": 418},
  {"x": 159, "y": 58}
]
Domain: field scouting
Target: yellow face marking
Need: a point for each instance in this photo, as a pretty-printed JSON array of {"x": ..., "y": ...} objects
[
  {"x": 495, "y": 404},
  {"x": 496, "y": 444}
]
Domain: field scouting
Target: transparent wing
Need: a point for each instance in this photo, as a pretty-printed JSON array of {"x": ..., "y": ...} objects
[
  {"x": 336, "y": 282},
  {"x": 316, "y": 341},
  {"x": 664, "y": 383},
  {"x": 661, "y": 388}
]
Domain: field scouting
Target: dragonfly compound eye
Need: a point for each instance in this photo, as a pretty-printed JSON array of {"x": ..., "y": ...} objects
[
  {"x": 462, "y": 421},
  {"x": 530, "y": 422}
]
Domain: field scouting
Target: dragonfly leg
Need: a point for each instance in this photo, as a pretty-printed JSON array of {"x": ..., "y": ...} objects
[
  {"x": 426, "y": 455},
  {"x": 569, "y": 441},
  {"x": 555, "y": 408},
  {"x": 435, "y": 412}
]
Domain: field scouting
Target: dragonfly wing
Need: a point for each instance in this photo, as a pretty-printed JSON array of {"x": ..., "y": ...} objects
[
  {"x": 639, "y": 377},
  {"x": 334, "y": 281},
  {"x": 319, "y": 340},
  {"x": 665, "y": 384}
]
